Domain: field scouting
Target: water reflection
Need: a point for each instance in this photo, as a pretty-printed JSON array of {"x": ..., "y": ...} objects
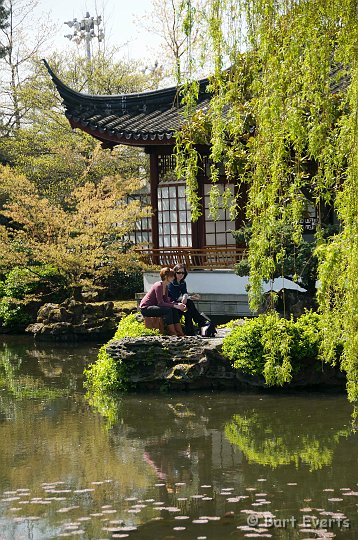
[
  {"x": 186, "y": 466},
  {"x": 302, "y": 435},
  {"x": 19, "y": 384}
]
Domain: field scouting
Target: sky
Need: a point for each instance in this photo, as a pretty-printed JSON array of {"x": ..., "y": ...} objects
[{"x": 120, "y": 23}]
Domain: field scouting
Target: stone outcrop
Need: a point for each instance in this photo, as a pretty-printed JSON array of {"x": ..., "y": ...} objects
[
  {"x": 163, "y": 362},
  {"x": 74, "y": 320},
  {"x": 154, "y": 361}
]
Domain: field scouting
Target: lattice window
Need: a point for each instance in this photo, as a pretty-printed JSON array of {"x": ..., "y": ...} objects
[
  {"x": 142, "y": 233},
  {"x": 217, "y": 233},
  {"x": 310, "y": 218},
  {"x": 166, "y": 167},
  {"x": 174, "y": 216}
]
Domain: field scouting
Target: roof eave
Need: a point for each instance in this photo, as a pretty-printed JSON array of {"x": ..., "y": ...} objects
[
  {"x": 166, "y": 98},
  {"x": 128, "y": 138}
]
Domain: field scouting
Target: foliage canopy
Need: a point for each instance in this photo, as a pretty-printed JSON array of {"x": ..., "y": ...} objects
[
  {"x": 86, "y": 238},
  {"x": 284, "y": 121},
  {"x": 276, "y": 348},
  {"x": 64, "y": 200},
  {"x": 3, "y": 24}
]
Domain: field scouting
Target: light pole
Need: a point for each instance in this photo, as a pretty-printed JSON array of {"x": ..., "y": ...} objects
[{"x": 83, "y": 30}]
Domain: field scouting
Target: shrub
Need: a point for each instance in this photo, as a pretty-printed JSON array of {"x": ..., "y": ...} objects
[
  {"x": 130, "y": 326},
  {"x": 308, "y": 338},
  {"x": 123, "y": 285},
  {"x": 274, "y": 347},
  {"x": 106, "y": 374},
  {"x": 102, "y": 376},
  {"x": 19, "y": 288},
  {"x": 12, "y": 314},
  {"x": 244, "y": 348},
  {"x": 19, "y": 282},
  {"x": 39, "y": 279}
]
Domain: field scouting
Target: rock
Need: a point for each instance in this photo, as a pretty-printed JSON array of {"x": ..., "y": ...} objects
[
  {"x": 157, "y": 362},
  {"x": 44, "y": 311},
  {"x": 54, "y": 330},
  {"x": 34, "y": 328},
  {"x": 177, "y": 362},
  {"x": 74, "y": 319}
]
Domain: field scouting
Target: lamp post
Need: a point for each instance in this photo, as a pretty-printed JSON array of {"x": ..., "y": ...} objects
[{"x": 84, "y": 30}]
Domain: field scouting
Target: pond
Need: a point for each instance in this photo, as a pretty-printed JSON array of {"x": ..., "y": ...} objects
[{"x": 186, "y": 466}]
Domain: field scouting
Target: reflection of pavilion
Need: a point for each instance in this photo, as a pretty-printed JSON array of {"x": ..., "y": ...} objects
[
  {"x": 182, "y": 446},
  {"x": 196, "y": 459},
  {"x": 190, "y": 443}
]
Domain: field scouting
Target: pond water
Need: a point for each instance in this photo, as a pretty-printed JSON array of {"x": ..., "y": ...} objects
[{"x": 187, "y": 466}]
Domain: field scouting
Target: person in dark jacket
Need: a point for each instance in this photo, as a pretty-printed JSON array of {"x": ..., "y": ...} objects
[{"x": 177, "y": 291}]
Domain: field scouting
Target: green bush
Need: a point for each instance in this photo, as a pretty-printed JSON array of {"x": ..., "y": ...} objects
[
  {"x": 39, "y": 279},
  {"x": 18, "y": 283},
  {"x": 244, "y": 348},
  {"x": 21, "y": 286},
  {"x": 106, "y": 374},
  {"x": 12, "y": 314},
  {"x": 129, "y": 326},
  {"x": 274, "y": 347},
  {"x": 102, "y": 376},
  {"x": 308, "y": 336},
  {"x": 124, "y": 285}
]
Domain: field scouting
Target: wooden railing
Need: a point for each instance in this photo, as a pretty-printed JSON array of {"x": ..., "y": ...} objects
[{"x": 207, "y": 258}]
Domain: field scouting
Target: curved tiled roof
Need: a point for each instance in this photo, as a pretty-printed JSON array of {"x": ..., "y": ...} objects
[
  {"x": 145, "y": 118},
  {"x": 139, "y": 119}
]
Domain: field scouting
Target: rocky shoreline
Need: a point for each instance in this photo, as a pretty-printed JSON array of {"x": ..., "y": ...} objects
[
  {"x": 157, "y": 363},
  {"x": 76, "y": 320}
]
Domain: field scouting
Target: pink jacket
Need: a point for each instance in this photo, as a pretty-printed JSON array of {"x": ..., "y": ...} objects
[{"x": 155, "y": 297}]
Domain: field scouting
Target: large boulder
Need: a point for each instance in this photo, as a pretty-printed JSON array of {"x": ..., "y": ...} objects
[
  {"x": 74, "y": 320},
  {"x": 154, "y": 362},
  {"x": 171, "y": 363}
]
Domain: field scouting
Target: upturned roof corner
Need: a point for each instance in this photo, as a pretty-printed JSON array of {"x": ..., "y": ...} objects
[{"x": 138, "y": 119}]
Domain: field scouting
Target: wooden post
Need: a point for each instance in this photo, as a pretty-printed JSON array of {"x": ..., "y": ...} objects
[{"x": 154, "y": 181}]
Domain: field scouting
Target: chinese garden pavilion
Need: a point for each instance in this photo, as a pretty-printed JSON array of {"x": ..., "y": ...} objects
[{"x": 149, "y": 120}]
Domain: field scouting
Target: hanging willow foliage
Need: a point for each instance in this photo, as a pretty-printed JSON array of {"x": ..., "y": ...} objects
[{"x": 284, "y": 121}]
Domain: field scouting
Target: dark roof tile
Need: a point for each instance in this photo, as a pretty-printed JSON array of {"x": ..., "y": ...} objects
[{"x": 142, "y": 117}]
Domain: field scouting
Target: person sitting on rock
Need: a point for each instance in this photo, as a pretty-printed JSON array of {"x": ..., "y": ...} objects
[
  {"x": 156, "y": 303},
  {"x": 177, "y": 291}
]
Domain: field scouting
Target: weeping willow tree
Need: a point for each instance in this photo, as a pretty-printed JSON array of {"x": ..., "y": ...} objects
[{"x": 284, "y": 121}]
